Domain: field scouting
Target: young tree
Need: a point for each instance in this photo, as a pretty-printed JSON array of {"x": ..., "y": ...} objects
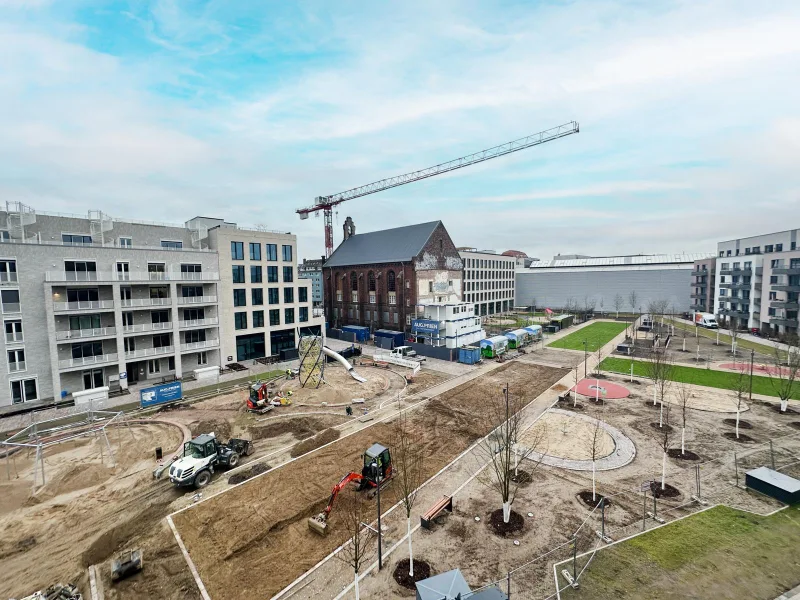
[
  {"x": 594, "y": 447},
  {"x": 664, "y": 438},
  {"x": 597, "y": 368},
  {"x": 734, "y": 333},
  {"x": 408, "y": 459},
  {"x": 618, "y": 302},
  {"x": 658, "y": 369},
  {"x": 785, "y": 371},
  {"x": 740, "y": 388},
  {"x": 588, "y": 306},
  {"x": 575, "y": 389},
  {"x": 504, "y": 414},
  {"x": 602, "y": 303},
  {"x": 356, "y": 511},
  {"x": 684, "y": 395},
  {"x": 633, "y": 300}
]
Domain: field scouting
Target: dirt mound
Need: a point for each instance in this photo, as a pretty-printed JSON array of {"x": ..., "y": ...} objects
[
  {"x": 586, "y": 497},
  {"x": 222, "y": 429},
  {"x": 669, "y": 491},
  {"x": 322, "y": 438},
  {"x": 78, "y": 477},
  {"x": 660, "y": 428},
  {"x": 299, "y": 427},
  {"x": 22, "y": 545},
  {"x": 742, "y": 424},
  {"x": 676, "y": 453},
  {"x": 422, "y": 570},
  {"x": 522, "y": 478},
  {"x": 246, "y": 474},
  {"x": 515, "y": 522},
  {"x": 742, "y": 439}
]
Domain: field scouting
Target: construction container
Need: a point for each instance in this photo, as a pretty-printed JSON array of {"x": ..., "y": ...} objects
[
  {"x": 469, "y": 355},
  {"x": 494, "y": 346},
  {"x": 361, "y": 333},
  {"x": 517, "y": 338},
  {"x": 397, "y": 337},
  {"x": 535, "y": 331}
]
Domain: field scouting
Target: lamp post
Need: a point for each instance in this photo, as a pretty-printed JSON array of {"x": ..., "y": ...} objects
[
  {"x": 752, "y": 356},
  {"x": 377, "y": 473},
  {"x": 585, "y": 358}
]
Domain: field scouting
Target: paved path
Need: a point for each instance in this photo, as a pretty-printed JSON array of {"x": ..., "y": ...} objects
[{"x": 790, "y": 595}]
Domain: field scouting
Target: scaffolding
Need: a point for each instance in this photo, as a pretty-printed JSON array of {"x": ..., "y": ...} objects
[
  {"x": 312, "y": 361},
  {"x": 43, "y": 434}
]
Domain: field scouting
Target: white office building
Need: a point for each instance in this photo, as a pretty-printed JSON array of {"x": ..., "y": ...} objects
[
  {"x": 488, "y": 280},
  {"x": 450, "y": 325}
]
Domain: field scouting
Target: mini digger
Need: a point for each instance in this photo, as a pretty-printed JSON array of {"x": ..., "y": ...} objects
[{"x": 376, "y": 471}]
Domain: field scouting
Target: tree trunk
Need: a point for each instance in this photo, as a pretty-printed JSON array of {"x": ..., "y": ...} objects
[
  {"x": 410, "y": 553},
  {"x": 506, "y": 511},
  {"x": 683, "y": 440},
  {"x": 593, "y": 486},
  {"x": 663, "y": 470},
  {"x": 737, "y": 423},
  {"x": 684, "y": 344},
  {"x": 661, "y": 416},
  {"x": 655, "y": 392},
  {"x": 516, "y": 460},
  {"x": 784, "y": 404},
  {"x": 356, "y": 585}
]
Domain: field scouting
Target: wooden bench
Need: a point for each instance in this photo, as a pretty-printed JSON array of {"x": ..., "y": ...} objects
[{"x": 445, "y": 503}]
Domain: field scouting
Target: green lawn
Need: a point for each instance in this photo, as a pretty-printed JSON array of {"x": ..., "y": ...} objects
[
  {"x": 764, "y": 349},
  {"x": 596, "y": 335},
  {"x": 721, "y": 553},
  {"x": 725, "y": 380}
]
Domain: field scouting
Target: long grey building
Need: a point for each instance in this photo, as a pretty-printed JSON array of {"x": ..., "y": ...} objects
[
  {"x": 554, "y": 283},
  {"x": 94, "y": 301}
]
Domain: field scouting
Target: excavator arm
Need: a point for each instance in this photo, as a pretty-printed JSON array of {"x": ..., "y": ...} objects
[{"x": 319, "y": 523}]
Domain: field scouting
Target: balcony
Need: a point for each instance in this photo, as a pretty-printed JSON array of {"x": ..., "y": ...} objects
[
  {"x": 145, "y": 302},
  {"x": 783, "y": 321},
  {"x": 82, "y": 334},
  {"x": 195, "y": 346},
  {"x": 785, "y": 304},
  {"x": 83, "y": 305},
  {"x": 111, "y": 276},
  {"x": 700, "y": 272},
  {"x": 77, "y": 363},
  {"x": 775, "y": 271},
  {"x": 747, "y": 271},
  {"x": 197, "y": 300},
  {"x": 737, "y": 314},
  {"x": 146, "y": 327},
  {"x": 739, "y": 285},
  {"x": 8, "y": 278},
  {"x": 696, "y": 295},
  {"x": 149, "y": 352},
  {"x": 786, "y": 287},
  {"x": 210, "y": 322},
  {"x": 700, "y": 307}
]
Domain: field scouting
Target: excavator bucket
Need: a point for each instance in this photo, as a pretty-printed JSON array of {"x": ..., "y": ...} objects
[{"x": 318, "y": 524}]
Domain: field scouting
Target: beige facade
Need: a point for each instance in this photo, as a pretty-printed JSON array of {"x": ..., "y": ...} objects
[{"x": 488, "y": 281}]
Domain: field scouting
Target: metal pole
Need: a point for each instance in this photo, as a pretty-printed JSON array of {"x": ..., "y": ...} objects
[
  {"x": 771, "y": 455},
  {"x": 644, "y": 510},
  {"x": 575, "y": 557},
  {"x": 585, "y": 358},
  {"x": 654, "y": 506},
  {"x": 752, "y": 355},
  {"x": 736, "y": 468},
  {"x": 508, "y": 585},
  {"x": 603, "y": 517}
]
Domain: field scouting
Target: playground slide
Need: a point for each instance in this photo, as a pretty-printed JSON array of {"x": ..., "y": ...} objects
[{"x": 345, "y": 364}]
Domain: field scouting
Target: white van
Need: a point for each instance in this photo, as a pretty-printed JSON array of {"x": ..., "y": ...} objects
[{"x": 706, "y": 320}]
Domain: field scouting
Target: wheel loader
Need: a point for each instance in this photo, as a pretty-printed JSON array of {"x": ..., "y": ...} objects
[
  {"x": 377, "y": 471},
  {"x": 202, "y": 455}
]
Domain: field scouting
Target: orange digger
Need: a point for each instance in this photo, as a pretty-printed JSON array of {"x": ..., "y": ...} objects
[{"x": 377, "y": 471}]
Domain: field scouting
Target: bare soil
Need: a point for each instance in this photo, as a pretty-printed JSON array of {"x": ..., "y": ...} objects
[
  {"x": 516, "y": 522},
  {"x": 687, "y": 455},
  {"x": 319, "y": 440},
  {"x": 422, "y": 570},
  {"x": 585, "y": 496},
  {"x": 229, "y": 533},
  {"x": 742, "y": 439},
  {"x": 246, "y": 474},
  {"x": 742, "y": 424}
]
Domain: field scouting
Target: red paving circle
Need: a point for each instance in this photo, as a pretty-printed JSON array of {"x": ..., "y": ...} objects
[
  {"x": 588, "y": 387},
  {"x": 745, "y": 368}
]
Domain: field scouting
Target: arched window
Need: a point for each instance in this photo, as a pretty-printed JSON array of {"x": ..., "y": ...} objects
[
  {"x": 371, "y": 281},
  {"x": 354, "y": 281},
  {"x": 390, "y": 286}
]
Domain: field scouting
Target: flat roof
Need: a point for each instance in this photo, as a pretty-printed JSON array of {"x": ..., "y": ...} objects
[
  {"x": 779, "y": 480},
  {"x": 621, "y": 261}
]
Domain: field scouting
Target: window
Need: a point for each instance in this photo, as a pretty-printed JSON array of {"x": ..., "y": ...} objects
[
  {"x": 191, "y": 271},
  {"x": 272, "y": 274},
  {"x": 430, "y": 286},
  {"x": 237, "y": 272},
  {"x": 71, "y": 239},
  {"x": 172, "y": 245},
  {"x": 288, "y": 295},
  {"x": 194, "y": 314},
  {"x": 237, "y": 250},
  {"x": 272, "y": 251},
  {"x": 78, "y": 323},
  {"x": 778, "y": 247},
  {"x": 191, "y": 291},
  {"x": 80, "y": 270},
  {"x": 794, "y": 246},
  {"x": 125, "y": 242},
  {"x": 302, "y": 294},
  {"x": 255, "y": 274},
  {"x": 93, "y": 379},
  {"x": 240, "y": 320},
  {"x": 24, "y": 390},
  {"x": 287, "y": 253},
  {"x": 288, "y": 315},
  {"x": 255, "y": 251},
  {"x": 8, "y": 271},
  {"x": 162, "y": 340},
  {"x": 288, "y": 274},
  {"x": 159, "y": 316},
  {"x": 159, "y": 292},
  {"x": 239, "y": 297},
  {"x": 258, "y": 318},
  {"x": 125, "y": 293},
  {"x": 156, "y": 270},
  {"x": 390, "y": 282},
  {"x": 130, "y": 345},
  {"x": 87, "y": 350},
  {"x": 775, "y": 262},
  {"x": 16, "y": 360},
  {"x": 272, "y": 296},
  {"x": 123, "y": 271},
  {"x": 13, "y": 332},
  {"x": 256, "y": 296},
  {"x": 202, "y": 358},
  {"x": 303, "y": 315},
  {"x": 275, "y": 317},
  {"x": 127, "y": 319},
  {"x": 154, "y": 366},
  {"x": 171, "y": 363},
  {"x": 773, "y": 279},
  {"x": 756, "y": 249},
  {"x": 723, "y": 292},
  {"x": 196, "y": 336},
  {"x": 768, "y": 248}
]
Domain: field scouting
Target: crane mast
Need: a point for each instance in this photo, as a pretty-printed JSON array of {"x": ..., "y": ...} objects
[{"x": 326, "y": 203}]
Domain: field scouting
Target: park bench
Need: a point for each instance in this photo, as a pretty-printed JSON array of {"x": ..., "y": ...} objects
[{"x": 445, "y": 503}]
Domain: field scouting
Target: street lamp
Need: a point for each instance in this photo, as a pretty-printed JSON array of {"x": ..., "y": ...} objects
[
  {"x": 377, "y": 473},
  {"x": 752, "y": 356},
  {"x": 585, "y": 358}
]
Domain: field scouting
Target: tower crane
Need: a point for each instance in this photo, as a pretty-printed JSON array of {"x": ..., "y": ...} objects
[{"x": 326, "y": 203}]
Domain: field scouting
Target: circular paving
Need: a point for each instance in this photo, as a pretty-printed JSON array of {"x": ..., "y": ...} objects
[
  {"x": 745, "y": 368},
  {"x": 592, "y": 388},
  {"x": 564, "y": 436}
]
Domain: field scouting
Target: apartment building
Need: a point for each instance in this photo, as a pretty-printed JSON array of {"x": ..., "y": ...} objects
[
  {"x": 312, "y": 269},
  {"x": 94, "y": 301},
  {"x": 758, "y": 282},
  {"x": 488, "y": 280},
  {"x": 702, "y": 285}
]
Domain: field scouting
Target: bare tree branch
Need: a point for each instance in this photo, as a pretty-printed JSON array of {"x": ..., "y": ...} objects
[{"x": 785, "y": 370}]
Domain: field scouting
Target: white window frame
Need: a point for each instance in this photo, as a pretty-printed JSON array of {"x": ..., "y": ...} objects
[
  {"x": 7, "y": 274},
  {"x": 161, "y": 242},
  {"x": 124, "y": 275},
  {"x": 91, "y": 373},
  {"x": 3, "y": 306},
  {"x": 128, "y": 239},
  {"x": 154, "y": 362},
  {"x": 11, "y": 382},
  {"x": 202, "y": 358},
  {"x": 23, "y": 361},
  {"x": 22, "y": 331},
  {"x": 63, "y": 243}
]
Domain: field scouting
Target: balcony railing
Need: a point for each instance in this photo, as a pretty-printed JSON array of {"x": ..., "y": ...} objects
[
  {"x": 76, "y": 334},
  {"x": 83, "y": 305},
  {"x": 145, "y": 352},
  {"x": 786, "y": 271},
  {"x": 8, "y": 278},
  {"x": 14, "y": 338},
  {"x": 144, "y": 327},
  {"x": 197, "y": 300},
  {"x": 111, "y": 276},
  {"x": 192, "y": 346},
  {"x": 211, "y": 321},
  {"x": 783, "y": 321},
  {"x": 696, "y": 295},
  {"x": 786, "y": 287},
  {"x": 785, "y": 304},
  {"x": 87, "y": 360},
  {"x": 11, "y": 307},
  {"x": 747, "y": 271},
  {"x": 16, "y": 366},
  {"x": 146, "y": 302},
  {"x": 317, "y": 312}
]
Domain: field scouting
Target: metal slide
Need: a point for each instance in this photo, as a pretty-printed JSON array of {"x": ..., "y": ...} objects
[{"x": 345, "y": 364}]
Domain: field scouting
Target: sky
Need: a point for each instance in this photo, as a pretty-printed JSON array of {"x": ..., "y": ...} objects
[{"x": 161, "y": 110}]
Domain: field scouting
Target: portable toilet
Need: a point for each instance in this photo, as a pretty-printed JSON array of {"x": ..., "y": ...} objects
[
  {"x": 469, "y": 355},
  {"x": 494, "y": 346},
  {"x": 535, "y": 331},
  {"x": 517, "y": 338}
]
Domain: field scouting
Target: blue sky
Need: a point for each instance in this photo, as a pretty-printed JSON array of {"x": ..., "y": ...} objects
[{"x": 689, "y": 113}]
